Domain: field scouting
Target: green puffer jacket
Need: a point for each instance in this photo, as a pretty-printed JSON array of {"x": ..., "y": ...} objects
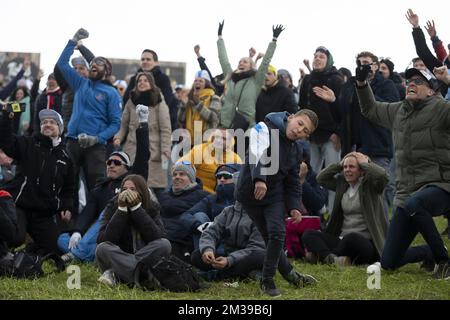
[
  {"x": 253, "y": 86},
  {"x": 421, "y": 133},
  {"x": 371, "y": 197}
]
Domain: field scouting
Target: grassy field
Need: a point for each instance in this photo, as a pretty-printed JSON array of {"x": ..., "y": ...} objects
[{"x": 334, "y": 284}]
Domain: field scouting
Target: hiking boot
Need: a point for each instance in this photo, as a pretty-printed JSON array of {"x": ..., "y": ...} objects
[
  {"x": 343, "y": 261},
  {"x": 428, "y": 264},
  {"x": 108, "y": 277},
  {"x": 268, "y": 287},
  {"x": 67, "y": 258},
  {"x": 312, "y": 258},
  {"x": 300, "y": 280},
  {"x": 442, "y": 271}
]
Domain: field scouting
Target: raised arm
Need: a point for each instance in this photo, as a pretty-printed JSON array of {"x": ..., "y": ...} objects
[
  {"x": 276, "y": 30},
  {"x": 223, "y": 56}
]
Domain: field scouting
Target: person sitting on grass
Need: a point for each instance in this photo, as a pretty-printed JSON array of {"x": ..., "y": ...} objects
[
  {"x": 357, "y": 228},
  {"x": 132, "y": 230},
  {"x": 243, "y": 255}
]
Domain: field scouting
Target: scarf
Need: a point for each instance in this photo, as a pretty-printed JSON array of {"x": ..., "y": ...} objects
[
  {"x": 186, "y": 188},
  {"x": 237, "y": 76},
  {"x": 147, "y": 98},
  {"x": 192, "y": 115}
]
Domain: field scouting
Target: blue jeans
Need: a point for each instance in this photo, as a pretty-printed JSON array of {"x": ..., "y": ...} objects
[
  {"x": 416, "y": 216},
  {"x": 85, "y": 251}
]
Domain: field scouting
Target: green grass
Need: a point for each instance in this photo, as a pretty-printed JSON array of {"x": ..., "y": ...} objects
[{"x": 334, "y": 283}]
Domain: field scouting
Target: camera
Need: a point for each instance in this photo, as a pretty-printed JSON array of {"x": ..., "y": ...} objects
[{"x": 14, "y": 106}]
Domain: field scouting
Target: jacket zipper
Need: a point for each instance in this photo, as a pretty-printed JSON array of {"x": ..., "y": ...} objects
[{"x": 21, "y": 189}]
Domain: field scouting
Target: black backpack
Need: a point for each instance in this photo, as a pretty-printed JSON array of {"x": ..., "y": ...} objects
[
  {"x": 167, "y": 273},
  {"x": 27, "y": 266}
]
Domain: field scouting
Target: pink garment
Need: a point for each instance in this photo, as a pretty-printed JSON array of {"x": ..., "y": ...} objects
[{"x": 294, "y": 232}]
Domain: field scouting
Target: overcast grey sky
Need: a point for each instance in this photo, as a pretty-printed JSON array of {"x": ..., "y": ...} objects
[{"x": 122, "y": 29}]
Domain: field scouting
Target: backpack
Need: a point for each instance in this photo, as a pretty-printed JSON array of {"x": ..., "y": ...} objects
[
  {"x": 168, "y": 273},
  {"x": 27, "y": 266}
]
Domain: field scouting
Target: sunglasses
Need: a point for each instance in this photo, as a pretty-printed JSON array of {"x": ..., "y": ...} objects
[
  {"x": 416, "y": 81},
  {"x": 224, "y": 175},
  {"x": 117, "y": 163}
]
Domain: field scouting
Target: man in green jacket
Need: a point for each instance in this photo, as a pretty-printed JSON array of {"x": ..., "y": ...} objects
[{"x": 421, "y": 132}]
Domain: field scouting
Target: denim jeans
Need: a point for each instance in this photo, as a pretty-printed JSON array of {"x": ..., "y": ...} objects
[
  {"x": 270, "y": 222},
  {"x": 321, "y": 153},
  {"x": 415, "y": 217},
  {"x": 85, "y": 251}
]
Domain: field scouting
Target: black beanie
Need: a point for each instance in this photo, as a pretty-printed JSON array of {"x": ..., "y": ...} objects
[{"x": 390, "y": 66}]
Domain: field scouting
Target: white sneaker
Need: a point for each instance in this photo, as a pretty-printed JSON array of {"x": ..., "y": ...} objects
[
  {"x": 376, "y": 267},
  {"x": 108, "y": 277}
]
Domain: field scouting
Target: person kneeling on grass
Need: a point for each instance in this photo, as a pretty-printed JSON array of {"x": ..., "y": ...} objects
[
  {"x": 357, "y": 228},
  {"x": 243, "y": 246},
  {"x": 132, "y": 230}
]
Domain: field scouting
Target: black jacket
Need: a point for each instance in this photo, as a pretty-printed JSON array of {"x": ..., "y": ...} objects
[
  {"x": 131, "y": 230},
  {"x": 45, "y": 183},
  {"x": 162, "y": 81},
  {"x": 275, "y": 99},
  {"x": 8, "y": 221},
  {"x": 284, "y": 186},
  {"x": 369, "y": 138},
  {"x": 106, "y": 189},
  {"x": 328, "y": 113}
]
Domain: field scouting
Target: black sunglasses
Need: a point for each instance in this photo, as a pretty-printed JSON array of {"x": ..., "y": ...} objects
[
  {"x": 117, "y": 163},
  {"x": 224, "y": 175},
  {"x": 417, "y": 81}
]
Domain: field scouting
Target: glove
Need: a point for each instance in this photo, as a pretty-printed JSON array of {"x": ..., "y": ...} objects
[
  {"x": 80, "y": 34},
  {"x": 142, "y": 113},
  {"x": 362, "y": 72},
  {"x": 86, "y": 141},
  {"x": 219, "y": 33},
  {"x": 277, "y": 30},
  {"x": 198, "y": 106},
  {"x": 133, "y": 198},
  {"x": 74, "y": 240},
  {"x": 122, "y": 198}
]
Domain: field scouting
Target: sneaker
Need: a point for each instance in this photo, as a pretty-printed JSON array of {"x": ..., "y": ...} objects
[
  {"x": 312, "y": 258},
  {"x": 108, "y": 277},
  {"x": 442, "y": 271},
  {"x": 268, "y": 287},
  {"x": 343, "y": 261},
  {"x": 67, "y": 258},
  {"x": 300, "y": 280}
]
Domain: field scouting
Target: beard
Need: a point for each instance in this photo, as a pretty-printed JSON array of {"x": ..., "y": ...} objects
[{"x": 98, "y": 75}]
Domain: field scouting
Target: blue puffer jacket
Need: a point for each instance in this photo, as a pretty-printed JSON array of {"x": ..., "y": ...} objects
[{"x": 97, "y": 104}]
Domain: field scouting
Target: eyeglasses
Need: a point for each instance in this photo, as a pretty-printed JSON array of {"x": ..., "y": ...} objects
[
  {"x": 225, "y": 175},
  {"x": 98, "y": 61},
  {"x": 117, "y": 163},
  {"x": 416, "y": 81}
]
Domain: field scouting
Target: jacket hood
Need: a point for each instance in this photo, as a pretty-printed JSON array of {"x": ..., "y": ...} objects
[{"x": 279, "y": 120}]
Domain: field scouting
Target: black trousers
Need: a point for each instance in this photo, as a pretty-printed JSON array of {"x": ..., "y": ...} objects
[
  {"x": 241, "y": 269},
  {"x": 43, "y": 231},
  {"x": 270, "y": 222},
  {"x": 359, "y": 249}
]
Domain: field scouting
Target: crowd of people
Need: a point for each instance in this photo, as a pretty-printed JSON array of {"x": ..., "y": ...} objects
[{"x": 342, "y": 169}]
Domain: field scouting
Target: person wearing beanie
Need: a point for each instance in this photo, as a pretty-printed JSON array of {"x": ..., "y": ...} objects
[
  {"x": 147, "y": 96},
  {"x": 275, "y": 96},
  {"x": 96, "y": 113},
  {"x": 121, "y": 86},
  {"x": 217, "y": 151},
  {"x": 286, "y": 78},
  {"x": 387, "y": 70},
  {"x": 79, "y": 242},
  {"x": 50, "y": 98},
  {"x": 243, "y": 84},
  {"x": 44, "y": 188},
  {"x": 186, "y": 191},
  {"x": 318, "y": 92},
  {"x": 199, "y": 110}
]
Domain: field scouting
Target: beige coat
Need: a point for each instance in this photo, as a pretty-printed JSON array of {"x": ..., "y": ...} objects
[{"x": 159, "y": 137}]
